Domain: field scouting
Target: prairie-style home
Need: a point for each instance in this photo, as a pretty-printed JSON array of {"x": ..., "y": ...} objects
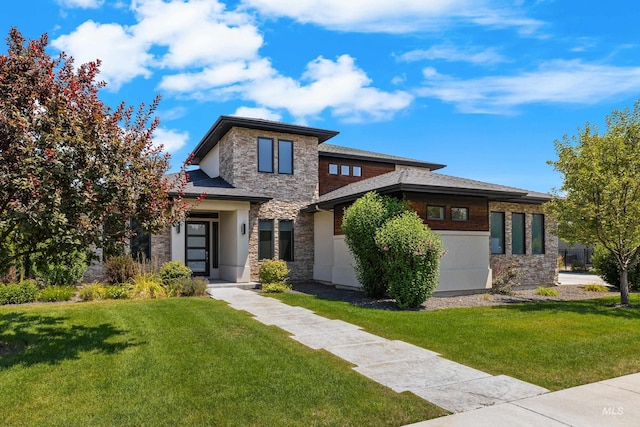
[{"x": 276, "y": 190}]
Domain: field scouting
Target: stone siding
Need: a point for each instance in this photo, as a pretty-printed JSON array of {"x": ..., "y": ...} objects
[
  {"x": 161, "y": 247},
  {"x": 535, "y": 269}
]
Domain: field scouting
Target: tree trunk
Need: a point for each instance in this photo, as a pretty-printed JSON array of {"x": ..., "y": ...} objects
[{"x": 624, "y": 286}]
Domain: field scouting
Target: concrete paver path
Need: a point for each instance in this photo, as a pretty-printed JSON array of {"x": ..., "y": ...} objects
[{"x": 395, "y": 364}]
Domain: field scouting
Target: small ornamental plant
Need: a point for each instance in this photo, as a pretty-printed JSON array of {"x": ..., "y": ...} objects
[
  {"x": 273, "y": 276},
  {"x": 411, "y": 261}
]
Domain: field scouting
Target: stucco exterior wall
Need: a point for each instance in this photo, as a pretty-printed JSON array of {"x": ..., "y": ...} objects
[
  {"x": 323, "y": 246},
  {"x": 465, "y": 267},
  {"x": 535, "y": 269}
]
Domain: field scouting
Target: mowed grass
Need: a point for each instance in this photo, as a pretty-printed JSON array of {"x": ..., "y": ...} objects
[
  {"x": 187, "y": 361},
  {"x": 552, "y": 344}
]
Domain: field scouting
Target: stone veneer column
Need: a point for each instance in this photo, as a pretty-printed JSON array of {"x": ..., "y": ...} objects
[
  {"x": 161, "y": 247},
  {"x": 535, "y": 269}
]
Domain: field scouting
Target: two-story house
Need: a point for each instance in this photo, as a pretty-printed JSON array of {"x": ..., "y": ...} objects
[{"x": 278, "y": 190}]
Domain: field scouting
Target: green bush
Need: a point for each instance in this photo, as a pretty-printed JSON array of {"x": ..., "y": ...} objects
[
  {"x": 92, "y": 292},
  {"x": 594, "y": 287},
  {"x": 116, "y": 292},
  {"x": 273, "y": 271},
  {"x": 276, "y": 288},
  {"x": 56, "y": 293},
  {"x": 607, "y": 268},
  {"x": 577, "y": 265},
  {"x": 411, "y": 259},
  {"x": 187, "y": 287},
  {"x": 148, "y": 285},
  {"x": 504, "y": 277},
  {"x": 359, "y": 223},
  {"x": 18, "y": 293},
  {"x": 174, "y": 271},
  {"x": 120, "y": 269},
  {"x": 547, "y": 292},
  {"x": 61, "y": 270}
]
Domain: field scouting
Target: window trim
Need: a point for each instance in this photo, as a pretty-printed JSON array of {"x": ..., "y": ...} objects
[
  {"x": 465, "y": 210},
  {"x": 271, "y": 243},
  {"x": 503, "y": 237},
  {"x": 289, "y": 159},
  {"x": 260, "y": 140},
  {"x": 523, "y": 231},
  {"x": 443, "y": 213},
  {"x": 291, "y": 240}
]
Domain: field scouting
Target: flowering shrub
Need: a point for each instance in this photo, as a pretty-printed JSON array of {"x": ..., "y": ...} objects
[{"x": 411, "y": 260}]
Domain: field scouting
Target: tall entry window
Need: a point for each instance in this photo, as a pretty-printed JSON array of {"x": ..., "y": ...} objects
[
  {"x": 265, "y": 239},
  {"x": 497, "y": 232},
  {"x": 537, "y": 234},
  {"x": 265, "y": 155},
  {"x": 285, "y": 240},
  {"x": 517, "y": 234}
]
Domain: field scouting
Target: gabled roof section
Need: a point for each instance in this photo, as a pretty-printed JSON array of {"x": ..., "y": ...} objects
[
  {"x": 330, "y": 150},
  {"x": 216, "y": 188},
  {"x": 415, "y": 180},
  {"x": 225, "y": 123}
]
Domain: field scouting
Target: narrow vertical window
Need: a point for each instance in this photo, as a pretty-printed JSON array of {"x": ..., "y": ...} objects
[
  {"x": 497, "y": 232},
  {"x": 265, "y": 239},
  {"x": 517, "y": 234},
  {"x": 537, "y": 233},
  {"x": 285, "y": 240},
  {"x": 265, "y": 155},
  {"x": 285, "y": 156},
  {"x": 140, "y": 242}
]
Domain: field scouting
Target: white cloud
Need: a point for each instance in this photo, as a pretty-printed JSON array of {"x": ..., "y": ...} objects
[
  {"x": 451, "y": 53},
  {"x": 258, "y": 113},
  {"x": 83, "y": 4},
  {"x": 170, "y": 139},
  {"x": 567, "y": 82},
  {"x": 123, "y": 56},
  {"x": 400, "y": 16}
]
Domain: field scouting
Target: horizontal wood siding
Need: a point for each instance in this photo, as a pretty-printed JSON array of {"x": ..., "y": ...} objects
[
  {"x": 328, "y": 182},
  {"x": 478, "y": 211}
]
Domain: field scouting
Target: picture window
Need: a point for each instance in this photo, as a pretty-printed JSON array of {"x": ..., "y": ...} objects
[
  {"x": 460, "y": 214},
  {"x": 435, "y": 212}
]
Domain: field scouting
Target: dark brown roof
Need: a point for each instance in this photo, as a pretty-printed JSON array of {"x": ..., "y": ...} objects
[
  {"x": 225, "y": 123},
  {"x": 422, "y": 181},
  {"x": 329, "y": 150},
  {"x": 217, "y": 188}
]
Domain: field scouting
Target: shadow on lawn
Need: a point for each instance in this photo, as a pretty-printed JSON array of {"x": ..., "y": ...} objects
[{"x": 28, "y": 340}]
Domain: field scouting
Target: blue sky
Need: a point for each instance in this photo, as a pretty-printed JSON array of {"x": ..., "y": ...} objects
[{"x": 484, "y": 86}]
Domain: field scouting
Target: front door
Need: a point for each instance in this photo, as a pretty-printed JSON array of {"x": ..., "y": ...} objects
[{"x": 197, "y": 247}]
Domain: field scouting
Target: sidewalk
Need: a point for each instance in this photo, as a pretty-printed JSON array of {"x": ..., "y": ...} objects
[{"x": 478, "y": 397}]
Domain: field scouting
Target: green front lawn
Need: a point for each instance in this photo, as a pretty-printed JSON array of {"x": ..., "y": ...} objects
[
  {"x": 552, "y": 344},
  {"x": 188, "y": 361}
]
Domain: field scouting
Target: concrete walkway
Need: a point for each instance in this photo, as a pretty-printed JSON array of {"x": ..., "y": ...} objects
[
  {"x": 578, "y": 278},
  {"x": 395, "y": 364}
]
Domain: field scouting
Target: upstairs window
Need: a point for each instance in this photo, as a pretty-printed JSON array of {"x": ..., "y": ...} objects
[
  {"x": 460, "y": 214},
  {"x": 333, "y": 169},
  {"x": 265, "y": 155},
  {"x": 344, "y": 170},
  {"x": 435, "y": 212},
  {"x": 285, "y": 240},
  {"x": 357, "y": 171},
  {"x": 285, "y": 156}
]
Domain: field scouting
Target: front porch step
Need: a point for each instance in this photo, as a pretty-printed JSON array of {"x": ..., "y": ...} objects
[{"x": 218, "y": 284}]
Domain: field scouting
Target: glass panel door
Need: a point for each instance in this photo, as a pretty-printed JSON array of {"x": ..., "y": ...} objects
[{"x": 197, "y": 247}]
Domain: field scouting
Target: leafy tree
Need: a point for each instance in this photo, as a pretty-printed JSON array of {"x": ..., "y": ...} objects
[
  {"x": 359, "y": 224},
  {"x": 411, "y": 260},
  {"x": 602, "y": 189},
  {"x": 70, "y": 167}
]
